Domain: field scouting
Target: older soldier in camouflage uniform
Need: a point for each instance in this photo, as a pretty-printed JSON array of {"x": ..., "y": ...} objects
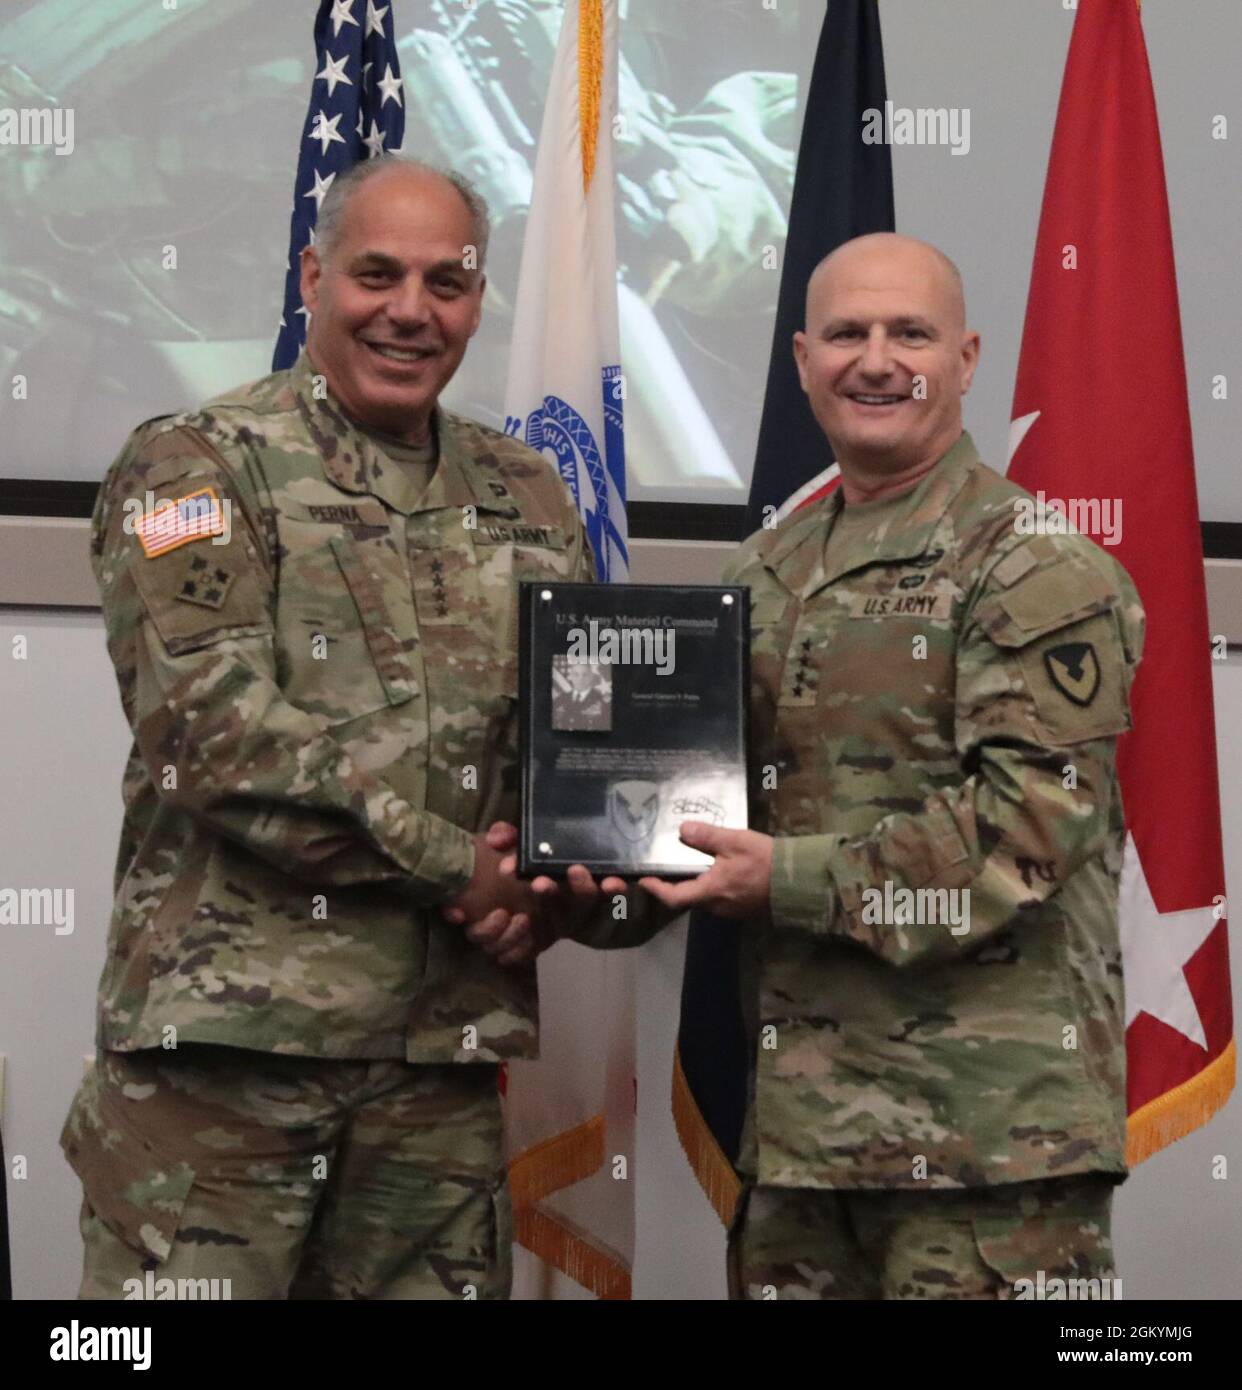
[
  {"x": 296, "y": 1085},
  {"x": 938, "y": 1103}
]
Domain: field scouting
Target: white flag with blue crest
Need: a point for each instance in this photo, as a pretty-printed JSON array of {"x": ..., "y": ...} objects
[
  {"x": 565, "y": 393},
  {"x": 570, "y": 1116}
]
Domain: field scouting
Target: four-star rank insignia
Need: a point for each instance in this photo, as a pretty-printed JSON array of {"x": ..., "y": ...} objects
[
  {"x": 206, "y": 583},
  {"x": 1074, "y": 671},
  {"x": 801, "y": 679}
]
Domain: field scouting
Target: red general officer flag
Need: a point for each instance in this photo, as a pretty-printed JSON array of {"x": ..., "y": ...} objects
[{"x": 1101, "y": 421}]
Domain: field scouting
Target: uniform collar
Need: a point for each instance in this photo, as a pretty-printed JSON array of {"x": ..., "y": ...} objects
[
  {"x": 902, "y": 529},
  {"x": 355, "y": 462}
]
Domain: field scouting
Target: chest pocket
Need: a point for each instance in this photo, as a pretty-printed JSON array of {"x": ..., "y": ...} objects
[
  {"x": 346, "y": 625},
  {"x": 881, "y": 636},
  {"x": 772, "y": 614}
]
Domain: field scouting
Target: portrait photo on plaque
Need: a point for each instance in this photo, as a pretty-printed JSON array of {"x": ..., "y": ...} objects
[{"x": 581, "y": 695}]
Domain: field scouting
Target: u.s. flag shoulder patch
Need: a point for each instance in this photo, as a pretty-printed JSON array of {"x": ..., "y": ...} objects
[{"x": 193, "y": 517}]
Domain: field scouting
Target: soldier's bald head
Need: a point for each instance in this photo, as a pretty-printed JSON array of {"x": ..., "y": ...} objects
[
  {"x": 886, "y": 357},
  {"x": 887, "y": 253}
]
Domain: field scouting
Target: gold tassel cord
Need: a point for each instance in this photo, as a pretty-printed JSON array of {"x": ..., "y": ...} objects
[
  {"x": 590, "y": 81},
  {"x": 1173, "y": 1115}
]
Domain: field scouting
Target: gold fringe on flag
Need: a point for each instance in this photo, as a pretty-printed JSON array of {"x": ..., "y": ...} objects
[
  {"x": 563, "y": 1245},
  {"x": 560, "y": 1161},
  {"x": 712, "y": 1169},
  {"x": 1173, "y": 1115},
  {"x": 544, "y": 1168},
  {"x": 590, "y": 80}
]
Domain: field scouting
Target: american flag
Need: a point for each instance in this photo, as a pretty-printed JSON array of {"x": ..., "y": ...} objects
[
  {"x": 357, "y": 111},
  {"x": 189, "y": 518}
]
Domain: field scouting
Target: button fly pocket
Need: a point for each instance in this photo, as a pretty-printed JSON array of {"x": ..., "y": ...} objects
[
  {"x": 344, "y": 654},
  {"x": 367, "y": 567}
]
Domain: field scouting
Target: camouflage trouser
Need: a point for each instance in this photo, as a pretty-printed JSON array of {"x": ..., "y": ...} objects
[
  {"x": 290, "y": 1177},
  {"x": 802, "y": 1243}
]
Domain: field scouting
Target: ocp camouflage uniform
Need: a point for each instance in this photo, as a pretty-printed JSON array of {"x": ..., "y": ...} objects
[
  {"x": 323, "y": 703},
  {"x": 936, "y": 702}
]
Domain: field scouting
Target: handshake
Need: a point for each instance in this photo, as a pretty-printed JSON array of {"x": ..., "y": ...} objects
[{"x": 513, "y": 921}]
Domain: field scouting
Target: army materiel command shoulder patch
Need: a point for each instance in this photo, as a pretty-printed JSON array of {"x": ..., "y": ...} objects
[
  {"x": 1074, "y": 670},
  {"x": 193, "y": 517},
  {"x": 206, "y": 583}
]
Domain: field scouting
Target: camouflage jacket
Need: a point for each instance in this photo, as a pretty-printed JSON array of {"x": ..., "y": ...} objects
[
  {"x": 936, "y": 703},
  {"x": 323, "y": 703}
]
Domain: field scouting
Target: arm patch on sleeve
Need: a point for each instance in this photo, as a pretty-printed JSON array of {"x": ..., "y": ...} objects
[
  {"x": 206, "y": 583},
  {"x": 1057, "y": 629},
  {"x": 1074, "y": 669},
  {"x": 196, "y": 516},
  {"x": 1077, "y": 679},
  {"x": 195, "y": 598}
]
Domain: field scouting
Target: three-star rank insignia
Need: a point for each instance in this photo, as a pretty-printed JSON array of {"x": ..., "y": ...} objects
[
  {"x": 206, "y": 583},
  {"x": 1074, "y": 670}
]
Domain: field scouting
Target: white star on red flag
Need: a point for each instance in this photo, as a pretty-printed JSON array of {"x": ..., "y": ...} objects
[{"x": 1156, "y": 947}]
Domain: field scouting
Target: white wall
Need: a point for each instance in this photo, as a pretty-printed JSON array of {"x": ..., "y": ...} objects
[
  {"x": 63, "y": 743},
  {"x": 62, "y": 747}
]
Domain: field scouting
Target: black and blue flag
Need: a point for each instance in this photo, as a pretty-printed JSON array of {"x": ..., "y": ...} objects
[{"x": 843, "y": 188}]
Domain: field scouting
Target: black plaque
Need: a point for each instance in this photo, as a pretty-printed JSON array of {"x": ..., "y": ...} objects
[{"x": 633, "y": 719}]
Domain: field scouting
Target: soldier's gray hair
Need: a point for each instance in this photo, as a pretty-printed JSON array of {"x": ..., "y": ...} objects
[{"x": 332, "y": 209}]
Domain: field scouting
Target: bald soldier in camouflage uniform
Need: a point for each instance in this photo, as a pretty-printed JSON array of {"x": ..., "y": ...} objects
[
  {"x": 938, "y": 1103},
  {"x": 296, "y": 1084}
]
